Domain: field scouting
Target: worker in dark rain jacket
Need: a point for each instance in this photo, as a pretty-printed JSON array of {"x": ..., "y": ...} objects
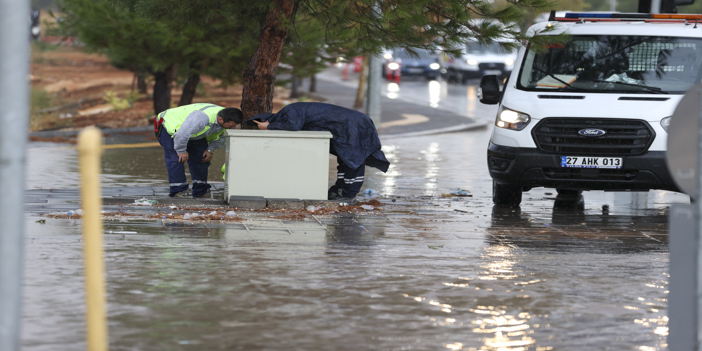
[
  {"x": 192, "y": 133},
  {"x": 354, "y": 140}
]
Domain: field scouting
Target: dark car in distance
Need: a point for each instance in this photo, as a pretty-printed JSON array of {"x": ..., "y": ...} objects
[{"x": 423, "y": 64}]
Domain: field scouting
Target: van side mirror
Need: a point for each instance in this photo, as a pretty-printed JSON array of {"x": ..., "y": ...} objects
[{"x": 489, "y": 92}]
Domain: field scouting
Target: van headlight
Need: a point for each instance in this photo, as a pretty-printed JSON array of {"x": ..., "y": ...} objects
[
  {"x": 509, "y": 62},
  {"x": 665, "y": 123},
  {"x": 434, "y": 66},
  {"x": 472, "y": 62},
  {"x": 393, "y": 66},
  {"x": 510, "y": 119}
]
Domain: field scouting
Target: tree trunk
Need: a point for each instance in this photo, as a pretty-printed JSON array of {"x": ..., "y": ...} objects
[
  {"x": 313, "y": 83},
  {"x": 361, "y": 91},
  {"x": 295, "y": 88},
  {"x": 162, "y": 89},
  {"x": 259, "y": 75},
  {"x": 141, "y": 82},
  {"x": 186, "y": 98}
]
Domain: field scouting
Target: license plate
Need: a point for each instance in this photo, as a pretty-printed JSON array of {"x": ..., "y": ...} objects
[
  {"x": 489, "y": 72},
  {"x": 591, "y": 162},
  {"x": 415, "y": 70}
]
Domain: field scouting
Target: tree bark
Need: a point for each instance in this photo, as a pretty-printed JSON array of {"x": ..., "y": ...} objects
[
  {"x": 295, "y": 88},
  {"x": 141, "y": 82},
  {"x": 361, "y": 91},
  {"x": 162, "y": 89},
  {"x": 313, "y": 83},
  {"x": 259, "y": 75},
  {"x": 189, "y": 89}
]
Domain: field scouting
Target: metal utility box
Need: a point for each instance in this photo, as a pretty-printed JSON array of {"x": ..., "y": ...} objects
[{"x": 277, "y": 164}]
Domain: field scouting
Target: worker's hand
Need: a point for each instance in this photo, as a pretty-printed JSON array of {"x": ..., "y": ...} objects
[
  {"x": 262, "y": 125},
  {"x": 183, "y": 157},
  {"x": 207, "y": 156}
]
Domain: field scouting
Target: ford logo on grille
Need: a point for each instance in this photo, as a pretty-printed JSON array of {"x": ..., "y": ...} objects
[{"x": 592, "y": 132}]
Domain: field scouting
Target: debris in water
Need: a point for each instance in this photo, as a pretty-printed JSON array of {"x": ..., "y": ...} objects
[
  {"x": 145, "y": 202},
  {"x": 459, "y": 192}
]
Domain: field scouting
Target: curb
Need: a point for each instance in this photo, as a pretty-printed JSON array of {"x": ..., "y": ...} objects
[
  {"x": 458, "y": 128},
  {"x": 105, "y": 131}
]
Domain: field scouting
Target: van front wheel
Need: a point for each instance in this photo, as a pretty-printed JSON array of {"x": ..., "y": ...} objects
[{"x": 506, "y": 194}]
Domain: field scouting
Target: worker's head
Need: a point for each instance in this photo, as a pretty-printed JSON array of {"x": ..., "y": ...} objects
[{"x": 230, "y": 117}]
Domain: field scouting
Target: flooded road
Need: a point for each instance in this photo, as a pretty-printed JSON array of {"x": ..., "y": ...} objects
[{"x": 428, "y": 272}]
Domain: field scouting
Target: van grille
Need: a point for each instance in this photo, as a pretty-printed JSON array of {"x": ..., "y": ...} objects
[{"x": 624, "y": 137}]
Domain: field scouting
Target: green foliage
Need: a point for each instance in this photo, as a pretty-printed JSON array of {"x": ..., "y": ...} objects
[
  {"x": 204, "y": 37},
  {"x": 40, "y": 100},
  {"x": 40, "y": 46},
  {"x": 200, "y": 90},
  {"x": 217, "y": 38},
  {"x": 118, "y": 103}
]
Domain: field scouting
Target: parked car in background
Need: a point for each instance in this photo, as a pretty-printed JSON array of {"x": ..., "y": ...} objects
[
  {"x": 35, "y": 29},
  {"x": 478, "y": 60},
  {"x": 425, "y": 64}
]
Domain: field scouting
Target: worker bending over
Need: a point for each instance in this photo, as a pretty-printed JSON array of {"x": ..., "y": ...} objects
[{"x": 192, "y": 133}]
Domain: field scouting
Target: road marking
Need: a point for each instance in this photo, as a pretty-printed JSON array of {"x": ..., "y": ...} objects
[
  {"x": 409, "y": 118},
  {"x": 131, "y": 146}
]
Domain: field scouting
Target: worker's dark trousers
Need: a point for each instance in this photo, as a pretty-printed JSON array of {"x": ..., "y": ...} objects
[
  {"x": 349, "y": 180},
  {"x": 176, "y": 170}
]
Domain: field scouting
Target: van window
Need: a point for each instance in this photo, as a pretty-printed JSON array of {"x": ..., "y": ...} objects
[
  {"x": 485, "y": 49},
  {"x": 614, "y": 63}
]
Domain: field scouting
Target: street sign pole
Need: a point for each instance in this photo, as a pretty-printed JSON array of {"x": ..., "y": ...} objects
[
  {"x": 698, "y": 213},
  {"x": 14, "y": 101},
  {"x": 684, "y": 161},
  {"x": 373, "y": 106}
]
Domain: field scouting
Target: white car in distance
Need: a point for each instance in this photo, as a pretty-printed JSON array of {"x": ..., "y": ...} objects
[{"x": 478, "y": 60}]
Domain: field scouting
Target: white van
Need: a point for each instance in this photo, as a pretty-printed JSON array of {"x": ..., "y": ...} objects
[
  {"x": 478, "y": 60},
  {"x": 592, "y": 113}
]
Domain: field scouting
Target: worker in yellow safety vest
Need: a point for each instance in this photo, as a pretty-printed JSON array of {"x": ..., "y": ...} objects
[{"x": 191, "y": 133}]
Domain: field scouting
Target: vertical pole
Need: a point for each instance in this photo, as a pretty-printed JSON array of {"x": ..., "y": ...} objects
[
  {"x": 374, "y": 74},
  {"x": 373, "y": 107},
  {"x": 14, "y": 111},
  {"x": 698, "y": 206},
  {"x": 90, "y": 150}
]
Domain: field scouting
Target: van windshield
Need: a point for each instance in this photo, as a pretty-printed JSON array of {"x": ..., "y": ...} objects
[
  {"x": 485, "y": 49},
  {"x": 615, "y": 63}
]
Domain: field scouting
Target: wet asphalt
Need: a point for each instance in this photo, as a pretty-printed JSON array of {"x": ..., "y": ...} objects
[{"x": 427, "y": 270}]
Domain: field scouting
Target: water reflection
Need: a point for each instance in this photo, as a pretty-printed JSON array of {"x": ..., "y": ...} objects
[
  {"x": 346, "y": 229},
  {"x": 434, "y": 93},
  {"x": 390, "y": 177},
  {"x": 393, "y": 90},
  {"x": 431, "y": 158},
  {"x": 570, "y": 227},
  {"x": 55, "y": 166}
]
